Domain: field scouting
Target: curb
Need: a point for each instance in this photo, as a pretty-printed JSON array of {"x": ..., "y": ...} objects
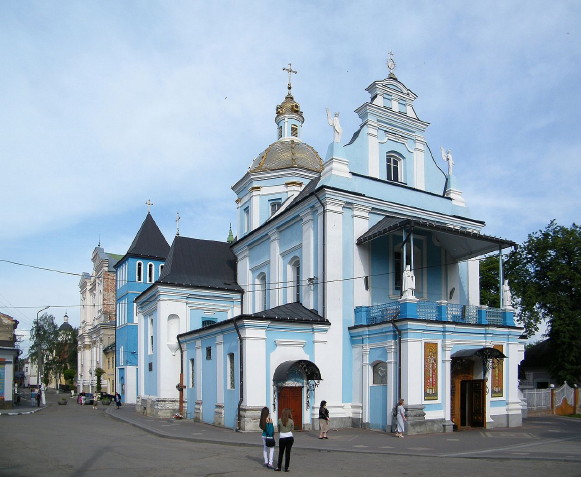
[{"x": 20, "y": 413}]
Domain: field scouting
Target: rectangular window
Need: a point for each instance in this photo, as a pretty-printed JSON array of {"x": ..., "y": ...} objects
[
  {"x": 279, "y": 132},
  {"x": 192, "y": 373},
  {"x": 392, "y": 165},
  {"x": 231, "y": 374},
  {"x": 274, "y": 206},
  {"x": 246, "y": 220},
  {"x": 208, "y": 352},
  {"x": 294, "y": 130},
  {"x": 150, "y": 341}
]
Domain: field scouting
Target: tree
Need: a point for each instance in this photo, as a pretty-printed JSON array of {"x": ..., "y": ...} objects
[
  {"x": 489, "y": 284},
  {"x": 545, "y": 276},
  {"x": 44, "y": 334},
  {"x": 99, "y": 372}
]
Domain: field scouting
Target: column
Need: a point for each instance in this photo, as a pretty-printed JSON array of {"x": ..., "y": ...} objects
[
  {"x": 446, "y": 385},
  {"x": 243, "y": 273},
  {"x": 219, "y": 409},
  {"x": 365, "y": 378},
  {"x": 274, "y": 280},
  {"x": 307, "y": 264},
  {"x": 362, "y": 296}
]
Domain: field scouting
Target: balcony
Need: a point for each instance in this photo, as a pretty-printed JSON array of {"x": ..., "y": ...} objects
[{"x": 433, "y": 311}]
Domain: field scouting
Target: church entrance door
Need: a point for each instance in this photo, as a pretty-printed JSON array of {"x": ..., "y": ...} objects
[
  {"x": 472, "y": 403},
  {"x": 292, "y": 397}
]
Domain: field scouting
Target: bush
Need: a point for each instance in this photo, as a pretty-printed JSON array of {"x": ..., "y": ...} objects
[{"x": 105, "y": 401}]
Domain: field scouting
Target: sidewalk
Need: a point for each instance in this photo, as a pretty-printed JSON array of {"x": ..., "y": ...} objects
[
  {"x": 500, "y": 443},
  {"x": 26, "y": 406}
]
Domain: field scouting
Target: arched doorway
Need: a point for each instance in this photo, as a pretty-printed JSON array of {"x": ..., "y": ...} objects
[
  {"x": 468, "y": 395},
  {"x": 293, "y": 385}
]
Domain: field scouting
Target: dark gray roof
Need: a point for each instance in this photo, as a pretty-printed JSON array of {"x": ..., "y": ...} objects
[
  {"x": 290, "y": 312},
  {"x": 460, "y": 244},
  {"x": 200, "y": 263},
  {"x": 149, "y": 241}
]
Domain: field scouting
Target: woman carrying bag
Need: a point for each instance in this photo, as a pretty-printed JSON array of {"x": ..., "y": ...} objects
[{"x": 268, "y": 441}]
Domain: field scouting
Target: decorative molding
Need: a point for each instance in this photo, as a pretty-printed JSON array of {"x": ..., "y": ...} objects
[{"x": 290, "y": 343}]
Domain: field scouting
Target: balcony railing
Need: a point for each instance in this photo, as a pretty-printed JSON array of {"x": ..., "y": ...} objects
[{"x": 433, "y": 311}]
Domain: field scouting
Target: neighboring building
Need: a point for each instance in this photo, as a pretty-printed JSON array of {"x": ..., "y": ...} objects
[
  {"x": 109, "y": 367},
  {"x": 8, "y": 358},
  {"x": 97, "y": 330},
  {"x": 353, "y": 280},
  {"x": 534, "y": 369},
  {"x": 139, "y": 268},
  {"x": 30, "y": 373}
]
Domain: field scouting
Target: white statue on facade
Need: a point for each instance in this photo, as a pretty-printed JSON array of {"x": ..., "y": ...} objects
[
  {"x": 408, "y": 283},
  {"x": 447, "y": 157},
  {"x": 334, "y": 123},
  {"x": 506, "y": 295}
]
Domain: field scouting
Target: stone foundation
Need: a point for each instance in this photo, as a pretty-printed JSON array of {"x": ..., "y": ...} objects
[
  {"x": 198, "y": 411},
  {"x": 219, "y": 415},
  {"x": 249, "y": 418},
  {"x": 157, "y": 407}
]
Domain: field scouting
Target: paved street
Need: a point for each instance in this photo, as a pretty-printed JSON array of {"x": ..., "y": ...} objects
[{"x": 77, "y": 440}]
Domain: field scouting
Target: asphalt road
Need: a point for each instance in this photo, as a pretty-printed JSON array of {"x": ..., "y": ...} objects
[{"x": 77, "y": 440}]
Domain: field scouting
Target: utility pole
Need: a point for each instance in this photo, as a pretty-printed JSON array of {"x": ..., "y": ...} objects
[{"x": 38, "y": 358}]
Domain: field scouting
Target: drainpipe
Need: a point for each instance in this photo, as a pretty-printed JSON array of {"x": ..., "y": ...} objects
[
  {"x": 181, "y": 384},
  {"x": 500, "y": 276},
  {"x": 241, "y": 374},
  {"x": 398, "y": 331},
  {"x": 324, "y": 246}
]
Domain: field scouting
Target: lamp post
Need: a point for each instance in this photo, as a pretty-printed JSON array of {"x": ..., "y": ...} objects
[{"x": 38, "y": 373}]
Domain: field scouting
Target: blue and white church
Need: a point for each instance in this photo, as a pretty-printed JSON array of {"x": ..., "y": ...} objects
[{"x": 354, "y": 278}]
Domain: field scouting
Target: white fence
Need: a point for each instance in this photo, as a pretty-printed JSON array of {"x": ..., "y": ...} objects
[{"x": 537, "y": 399}]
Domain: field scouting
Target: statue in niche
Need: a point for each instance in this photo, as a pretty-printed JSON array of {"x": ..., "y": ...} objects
[
  {"x": 447, "y": 157},
  {"x": 408, "y": 283},
  {"x": 334, "y": 123},
  {"x": 506, "y": 295}
]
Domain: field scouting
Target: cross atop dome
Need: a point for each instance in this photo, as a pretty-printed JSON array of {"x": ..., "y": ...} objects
[{"x": 290, "y": 72}]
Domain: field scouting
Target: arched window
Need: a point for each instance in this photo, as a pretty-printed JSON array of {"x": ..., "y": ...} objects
[
  {"x": 294, "y": 130},
  {"x": 393, "y": 166},
  {"x": 380, "y": 373},
  {"x": 139, "y": 272},
  {"x": 260, "y": 303},
  {"x": 294, "y": 278},
  {"x": 160, "y": 268},
  {"x": 150, "y": 272}
]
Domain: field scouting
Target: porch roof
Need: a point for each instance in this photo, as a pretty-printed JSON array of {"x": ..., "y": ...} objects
[{"x": 459, "y": 243}]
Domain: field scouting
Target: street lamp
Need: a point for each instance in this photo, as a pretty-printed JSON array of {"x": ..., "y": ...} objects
[{"x": 38, "y": 373}]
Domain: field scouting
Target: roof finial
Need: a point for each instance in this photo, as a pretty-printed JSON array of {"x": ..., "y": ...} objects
[
  {"x": 178, "y": 224},
  {"x": 230, "y": 238},
  {"x": 391, "y": 65},
  {"x": 290, "y": 71},
  {"x": 149, "y": 204}
]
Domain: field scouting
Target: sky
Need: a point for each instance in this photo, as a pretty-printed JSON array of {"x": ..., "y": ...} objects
[{"x": 106, "y": 104}]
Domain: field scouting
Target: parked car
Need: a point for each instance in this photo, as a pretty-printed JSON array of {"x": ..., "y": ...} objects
[{"x": 89, "y": 398}]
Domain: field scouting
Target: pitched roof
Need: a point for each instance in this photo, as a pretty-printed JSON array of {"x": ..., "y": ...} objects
[
  {"x": 290, "y": 312},
  {"x": 200, "y": 263},
  {"x": 149, "y": 241}
]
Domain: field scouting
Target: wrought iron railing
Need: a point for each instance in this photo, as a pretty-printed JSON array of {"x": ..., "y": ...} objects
[{"x": 433, "y": 311}]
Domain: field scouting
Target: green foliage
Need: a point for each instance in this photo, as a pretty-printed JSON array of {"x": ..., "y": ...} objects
[
  {"x": 69, "y": 375},
  {"x": 545, "y": 275},
  {"x": 489, "y": 283},
  {"x": 99, "y": 372}
]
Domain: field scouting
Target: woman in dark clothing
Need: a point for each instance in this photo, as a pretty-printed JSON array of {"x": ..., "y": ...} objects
[
  {"x": 323, "y": 420},
  {"x": 117, "y": 400},
  {"x": 286, "y": 440}
]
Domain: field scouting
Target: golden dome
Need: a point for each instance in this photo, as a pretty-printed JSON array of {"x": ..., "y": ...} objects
[
  {"x": 289, "y": 107},
  {"x": 285, "y": 154}
]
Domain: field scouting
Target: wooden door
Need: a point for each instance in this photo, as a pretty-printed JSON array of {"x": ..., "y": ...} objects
[
  {"x": 478, "y": 402},
  {"x": 292, "y": 397}
]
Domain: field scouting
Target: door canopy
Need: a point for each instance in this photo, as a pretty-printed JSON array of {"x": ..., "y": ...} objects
[
  {"x": 290, "y": 373},
  {"x": 490, "y": 357},
  {"x": 302, "y": 366}
]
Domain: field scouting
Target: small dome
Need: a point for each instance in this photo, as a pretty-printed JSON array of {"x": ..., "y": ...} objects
[
  {"x": 285, "y": 154},
  {"x": 66, "y": 325},
  {"x": 290, "y": 108}
]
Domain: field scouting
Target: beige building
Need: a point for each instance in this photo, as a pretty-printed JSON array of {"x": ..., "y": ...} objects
[
  {"x": 8, "y": 357},
  {"x": 97, "y": 328}
]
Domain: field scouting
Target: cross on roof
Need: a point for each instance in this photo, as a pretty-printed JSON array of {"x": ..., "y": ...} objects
[
  {"x": 149, "y": 204},
  {"x": 178, "y": 218},
  {"x": 290, "y": 71}
]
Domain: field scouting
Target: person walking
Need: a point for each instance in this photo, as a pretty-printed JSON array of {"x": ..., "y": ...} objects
[
  {"x": 38, "y": 397},
  {"x": 96, "y": 397},
  {"x": 267, "y": 437},
  {"x": 117, "y": 399},
  {"x": 323, "y": 420},
  {"x": 400, "y": 416},
  {"x": 286, "y": 440}
]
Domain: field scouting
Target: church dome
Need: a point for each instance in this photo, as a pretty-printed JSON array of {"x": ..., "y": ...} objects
[
  {"x": 66, "y": 326},
  {"x": 285, "y": 154}
]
